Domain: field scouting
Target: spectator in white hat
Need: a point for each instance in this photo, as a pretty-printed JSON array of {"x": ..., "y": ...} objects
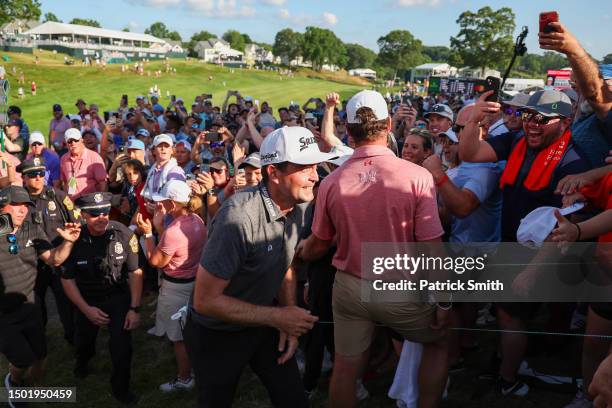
[
  {"x": 165, "y": 167},
  {"x": 82, "y": 171},
  {"x": 39, "y": 149},
  {"x": 177, "y": 254}
]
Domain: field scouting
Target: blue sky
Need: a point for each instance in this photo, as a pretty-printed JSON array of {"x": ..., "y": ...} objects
[{"x": 432, "y": 21}]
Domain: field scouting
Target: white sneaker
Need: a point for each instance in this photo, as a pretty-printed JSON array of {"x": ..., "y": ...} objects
[
  {"x": 580, "y": 401},
  {"x": 178, "y": 384},
  {"x": 362, "y": 392},
  {"x": 328, "y": 364}
]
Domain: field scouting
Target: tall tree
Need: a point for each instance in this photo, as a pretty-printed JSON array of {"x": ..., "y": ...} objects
[
  {"x": 174, "y": 36},
  {"x": 288, "y": 44},
  {"x": 126, "y": 29},
  {"x": 51, "y": 17},
  {"x": 247, "y": 39},
  {"x": 158, "y": 29},
  {"x": 399, "y": 50},
  {"x": 235, "y": 39},
  {"x": 359, "y": 56},
  {"x": 553, "y": 60},
  {"x": 19, "y": 9},
  {"x": 321, "y": 46},
  {"x": 607, "y": 59},
  {"x": 85, "y": 22},
  {"x": 485, "y": 37},
  {"x": 437, "y": 53}
]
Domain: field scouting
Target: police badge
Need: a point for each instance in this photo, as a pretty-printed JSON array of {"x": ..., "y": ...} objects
[
  {"x": 51, "y": 206},
  {"x": 118, "y": 248},
  {"x": 98, "y": 198}
]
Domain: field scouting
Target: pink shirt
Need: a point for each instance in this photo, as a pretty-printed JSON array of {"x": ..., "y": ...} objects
[
  {"x": 89, "y": 171},
  {"x": 183, "y": 241},
  {"x": 4, "y": 170},
  {"x": 375, "y": 197}
]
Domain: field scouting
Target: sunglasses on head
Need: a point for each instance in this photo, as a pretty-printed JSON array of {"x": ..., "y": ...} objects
[
  {"x": 438, "y": 108},
  {"x": 508, "y": 110},
  {"x": 13, "y": 246},
  {"x": 35, "y": 173},
  {"x": 538, "y": 118}
]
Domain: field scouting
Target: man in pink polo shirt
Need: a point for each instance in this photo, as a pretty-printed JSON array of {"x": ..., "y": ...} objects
[
  {"x": 376, "y": 197},
  {"x": 82, "y": 170}
]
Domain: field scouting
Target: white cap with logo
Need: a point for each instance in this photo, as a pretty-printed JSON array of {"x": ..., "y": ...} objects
[
  {"x": 175, "y": 190},
  {"x": 368, "y": 99},
  {"x": 538, "y": 224},
  {"x": 294, "y": 145},
  {"x": 163, "y": 138},
  {"x": 72, "y": 133}
]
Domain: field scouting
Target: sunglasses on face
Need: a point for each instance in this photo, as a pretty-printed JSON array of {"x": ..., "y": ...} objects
[
  {"x": 72, "y": 141},
  {"x": 36, "y": 173},
  {"x": 538, "y": 118},
  {"x": 512, "y": 111},
  {"x": 98, "y": 213},
  {"x": 35, "y": 144},
  {"x": 13, "y": 246},
  {"x": 217, "y": 171}
]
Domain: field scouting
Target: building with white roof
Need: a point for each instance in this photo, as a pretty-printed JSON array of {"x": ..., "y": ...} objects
[{"x": 424, "y": 71}]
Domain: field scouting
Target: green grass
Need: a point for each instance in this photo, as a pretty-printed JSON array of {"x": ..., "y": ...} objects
[{"x": 58, "y": 83}]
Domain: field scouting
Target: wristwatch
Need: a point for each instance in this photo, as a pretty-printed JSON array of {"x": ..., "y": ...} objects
[
  {"x": 135, "y": 309},
  {"x": 149, "y": 235},
  {"x": 211, "y": 192}
]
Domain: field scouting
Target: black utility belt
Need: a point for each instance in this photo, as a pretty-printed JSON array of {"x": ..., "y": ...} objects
[{"x": 177, "y": 280}]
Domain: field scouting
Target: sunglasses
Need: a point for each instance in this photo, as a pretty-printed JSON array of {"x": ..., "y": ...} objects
[
  {"x": 72, "y": 141},
  {"x": 36, "y": 144},
  {"x": 218, "y": 171},
  {"x": 438, "y": 108},
  {"x": 512, "y": 111},
  {"x": 13, "y": 246},
  {"x": 421, "y": 125},
  {"x": 447, "y": 142},
  {"x": 538, "y": 118},
  {"x": 36, "y": 173},
  {"x": 458, "y": 128}
]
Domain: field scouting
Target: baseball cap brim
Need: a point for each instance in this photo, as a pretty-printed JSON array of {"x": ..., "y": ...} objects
[
  {"x": 544, "y": 111},
  {"x": 314, "y": 157},
  {"x": 158, "y": 197}
]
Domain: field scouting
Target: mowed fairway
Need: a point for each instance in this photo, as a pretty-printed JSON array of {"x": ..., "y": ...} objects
[{"x": 59, "y": 83}]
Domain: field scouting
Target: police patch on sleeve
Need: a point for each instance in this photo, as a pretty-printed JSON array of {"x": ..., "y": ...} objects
[
  {"x": 68, "y": 203},
  {"x": 134, "y": 244}
]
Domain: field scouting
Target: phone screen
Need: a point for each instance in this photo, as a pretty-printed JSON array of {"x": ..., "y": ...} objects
[{"x": 213, "y": 137}]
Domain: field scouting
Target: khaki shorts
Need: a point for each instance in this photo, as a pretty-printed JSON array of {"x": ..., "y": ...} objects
[{"x": 355, "y": 319}]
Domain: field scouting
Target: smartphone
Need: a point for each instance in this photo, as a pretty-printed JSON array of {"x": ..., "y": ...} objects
[
  {"x": 488, "y": 84},
  {"x": 257, "y": 102},
  {"x": 213, "y": 137},
  {"x": 406, "y": 100},
  {"x": 106, "y": 116},
  {"x": 546, "y": 18}
]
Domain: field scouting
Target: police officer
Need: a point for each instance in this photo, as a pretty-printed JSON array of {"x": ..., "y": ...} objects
[
  {"x": 95, "y": 278},
  {"x": 52, "y": 209},
  {"x": 22, "y": 338}
]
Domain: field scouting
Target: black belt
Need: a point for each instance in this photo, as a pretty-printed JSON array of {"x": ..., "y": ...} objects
[{"x": 177, "y": 280}]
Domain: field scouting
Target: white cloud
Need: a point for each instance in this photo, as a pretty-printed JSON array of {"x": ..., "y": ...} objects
[
  {"x": 276, "y": 3},
  {"x": 284, "y": 14},
  {"x": 330, "y": 19},
  {"x": 210, "y": 8},
  {"x": 412, "y": 3},
  {"x": 133, "y": 25}
]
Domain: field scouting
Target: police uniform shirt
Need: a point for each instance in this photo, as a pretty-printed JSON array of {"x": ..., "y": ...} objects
[
  {"x": 251, "y": 244},
  {"x": 100, "y": 264},
  {"x": 18, "y": 272},
  {"x": 53, "y": 208}
]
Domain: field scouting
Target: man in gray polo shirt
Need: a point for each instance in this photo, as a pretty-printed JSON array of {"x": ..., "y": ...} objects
[{"x": 243, "y": 310}]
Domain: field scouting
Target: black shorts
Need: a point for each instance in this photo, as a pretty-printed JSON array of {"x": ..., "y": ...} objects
[
  {"x": 23, "y": 336},
  {"x": 602, "y": 309},
  {"x": 520, "y": 310}
]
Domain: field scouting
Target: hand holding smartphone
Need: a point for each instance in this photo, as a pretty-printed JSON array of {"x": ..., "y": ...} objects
[{"x": 546, "y": 18}]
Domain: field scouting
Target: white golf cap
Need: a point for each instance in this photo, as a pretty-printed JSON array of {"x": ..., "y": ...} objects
[
  {"x": 163, "y": 138},
  {"x": 343, "y": 152},
  {"x": 72, "y": 133},
  {"x": 368, "y": 99},
  {"x": 185, "y": 144},
  {"x": 175, "y": 190},
  {"x": 37, "y": 137},
  {"x": 294, "y": 145},
  {"x": 538, "y": 224},
  {"x": 451, "y": 135}
]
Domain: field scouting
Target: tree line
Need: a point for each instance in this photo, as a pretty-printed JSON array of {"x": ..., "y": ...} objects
[{"x": 485, "y": 39}]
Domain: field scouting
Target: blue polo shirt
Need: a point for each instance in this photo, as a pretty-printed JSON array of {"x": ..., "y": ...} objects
[{"x": 484, "y": 224}]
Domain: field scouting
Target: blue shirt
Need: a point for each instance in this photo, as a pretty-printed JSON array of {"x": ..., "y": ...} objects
[
  {"x": 484, "y": 223},
  {"x": 52, "y": 163},
  {"x": 594, "y": 138}
]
